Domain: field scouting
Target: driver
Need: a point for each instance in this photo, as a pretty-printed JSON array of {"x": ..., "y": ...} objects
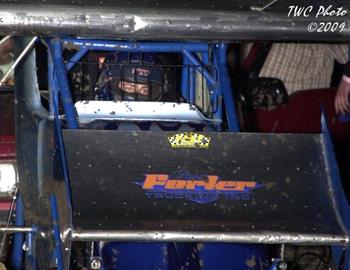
[{"x": 134, "y": 77}]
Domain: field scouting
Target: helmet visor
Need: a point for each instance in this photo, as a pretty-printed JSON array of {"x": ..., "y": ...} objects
[{"x": 137, "y": 91}]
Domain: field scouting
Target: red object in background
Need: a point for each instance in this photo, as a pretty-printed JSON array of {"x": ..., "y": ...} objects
[
  {"x": 7, "y": 154},
  {"x": 7, "y": 113},
  {"x": 7, "y": 126},
  {"x": 7, "y": 137},
  {"x": 248, "y": 62},
  {"x": 7, "y": 148},
  {"x": 5, "y": 205},
  {"x": 301, "y": 115}
]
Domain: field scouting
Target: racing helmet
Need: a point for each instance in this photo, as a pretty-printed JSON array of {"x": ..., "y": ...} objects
[{"x": 131, "y": 77}]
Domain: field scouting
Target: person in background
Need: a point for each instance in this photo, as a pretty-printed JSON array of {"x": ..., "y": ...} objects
[
  {"x": 6, "y": 60},
  {"x": 341, "y": 101},
  {"x": 303, "y": 66}
]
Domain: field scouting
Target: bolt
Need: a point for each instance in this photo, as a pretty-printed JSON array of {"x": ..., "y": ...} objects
[
  {"x": 282, "y": 265},
  {"x": 25, "y": 246},
  {"x": 95, "y": 264}
]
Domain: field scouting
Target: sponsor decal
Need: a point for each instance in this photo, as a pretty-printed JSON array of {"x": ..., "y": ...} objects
[
  {"x": 200, "y": 189},
  {"x": 189, "y": 140}
]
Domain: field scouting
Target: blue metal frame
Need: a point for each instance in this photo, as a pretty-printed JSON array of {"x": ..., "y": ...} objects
[
  {"x": 218, "y": 83},
  {"x": 59, "y": 141},
  {"x": 63, "y": 83},
  {"x": 75, "y": 58},
  {"x": 56, "y": 232},
  {"x": 341, "y": 201},
  {"x": 225, "y": 86},
  {"x": 199, "y": 66},
  {"x": 18, "y": 254},
  {"x": 184, "y": 82},
  {"x": 125, "y": 46},
  {"x": 30, "y": 256},
  {"x": 192, "y": 84},
  {"x": 17, "y": 250}
]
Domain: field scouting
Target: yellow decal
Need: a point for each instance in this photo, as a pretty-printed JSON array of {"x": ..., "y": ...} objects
[{"x": 189, "y": 140}]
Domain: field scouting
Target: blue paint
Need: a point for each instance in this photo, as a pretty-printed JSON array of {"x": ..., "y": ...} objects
[
  {"x": 51, "y": 77},
  {"x": 31, "y": 249},
  {"x": 59, "y": 139},
  {"x": 216, "y": 92},
  {"x": 199, "y": 67},
  {"x": 62, "y": 80},
  {"x": 155, "y": 47},
  {"x": 75, "y": 58},
  {"x": 192, "y": 82},
  {"x": 150, "y": 256},
  {"x": 205, "y": 59},
  {"x": 17, "y": 251},
  {"x": 185, "y": 79},
  {"x": 341, "y": 202},
  {"x": 225, "y": 86},
  {"x": 233, "y": 256},
  {"x": 186, "y": 256},
  {"x": 274, "y": 265},
  {"x": 56, "y": 232},
  {"x": 343, "y": 118}
]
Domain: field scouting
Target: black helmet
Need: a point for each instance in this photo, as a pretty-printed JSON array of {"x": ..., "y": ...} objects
[{"x": 131, "y": 77}]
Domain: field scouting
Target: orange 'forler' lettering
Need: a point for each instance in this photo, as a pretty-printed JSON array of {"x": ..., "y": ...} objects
[{"x": 211, "y": 183}]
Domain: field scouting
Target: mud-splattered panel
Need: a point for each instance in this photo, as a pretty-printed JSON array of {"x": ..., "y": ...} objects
[{"x": 136, "y": 180}]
